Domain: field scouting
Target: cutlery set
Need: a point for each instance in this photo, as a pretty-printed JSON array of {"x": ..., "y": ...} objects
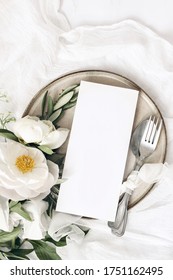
[{"x": 143, "y": 143}]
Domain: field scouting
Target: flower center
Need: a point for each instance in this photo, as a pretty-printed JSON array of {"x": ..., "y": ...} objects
[{"x": 25, "y": 163}]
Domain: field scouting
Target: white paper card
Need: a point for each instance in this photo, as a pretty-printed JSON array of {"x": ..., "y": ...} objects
[{"x": 97, "y": 151}]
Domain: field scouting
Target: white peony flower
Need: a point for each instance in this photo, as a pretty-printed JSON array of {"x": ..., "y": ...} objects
[
  {"x": 24, "y": 172},
  {"x": 33, "y": 130}
]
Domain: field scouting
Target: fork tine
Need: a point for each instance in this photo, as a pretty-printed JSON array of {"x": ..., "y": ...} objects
[
  {"x": 154, "y": 129},
  {"x": 151, "y": 131},
  {"x": 146, "y": 129},
  {"x": 158, "y": 132}
]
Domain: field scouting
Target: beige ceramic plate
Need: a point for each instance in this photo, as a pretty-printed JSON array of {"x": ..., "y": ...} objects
[{"x": 145, "y": 107}]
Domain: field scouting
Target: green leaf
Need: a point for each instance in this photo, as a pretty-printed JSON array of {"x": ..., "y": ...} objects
[
  {"x": 74, "y": 98},
  {"x": 18, "y": 254},
  {"x": 69, "y": 105},
  {"x": 60, "y": 116},
  {"x": 12, "y": 203},
  {"x": 76, "y": 90},
  {"x": 8, "y": 134},
  {"x": 68, "y": 89},
  {"x": 50, "y": 106},
  {"x": 9, "y": 236},
  {"x": 63, "y": 100},
  {"x": 55, "y": 115},
  {"x": 22, "y": 252},
  {"x": 44, "y": 251},
  {"x": 61, "y": 181},
  {"x": 62, "y": 242},
  {"x": 17, "y": 208},
  {"x": 45, "y": 149},
  {"x": 44, "y": 102},
  {"x": 56, "y": 158},
  {"x": 2, "y": 256},
  {"x": 12, "y": 256}
]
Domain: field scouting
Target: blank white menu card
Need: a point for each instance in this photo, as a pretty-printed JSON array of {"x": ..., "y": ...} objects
[{"x": 97, "y": 151}]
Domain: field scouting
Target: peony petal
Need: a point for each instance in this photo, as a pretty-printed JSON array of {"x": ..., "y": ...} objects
[
  {"x": 28, "y": 129},
  {"x": 12, "y": 151},
  {"x": 55, "y": 138},
  {"x": 54, "y": 170},
  {"x": 12, "y": 194},
  {"x": 7, "y": 180}
]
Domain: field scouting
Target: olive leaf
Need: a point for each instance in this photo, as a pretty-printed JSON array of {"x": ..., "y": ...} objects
[
  {"x": 44, "y": 251},
  {"x": 3, "y": 256},
  {"x": 17, "y": 208},
  {"x": 56, "y": 158},
  {"x": 44, "y": 102},
  {"x": 50, "y": 106},
  {"x": 9, "y": 236},
  {"x": 60, "y": 116},
  {"x": 66, "y": 100},
  {"x": 68, "y": 89},
  {"x": 55, "y": 115},
  {"x": 69, "y": 105},
  {"x": 8, "y": 134},
  {"x": 45, "y": 149},
  {"x": 63, "y": 100},
  {"x": 18, "y": 254},
  {"x": 74, "y": 98}
]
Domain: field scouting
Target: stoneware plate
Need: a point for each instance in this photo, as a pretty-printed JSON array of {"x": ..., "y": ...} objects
[{"x": 145, "y": 108}]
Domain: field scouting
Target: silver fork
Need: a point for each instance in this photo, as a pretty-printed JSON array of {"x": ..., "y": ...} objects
[
  {"x": 149, "y": 140},
  {"x": 147, "y": 146}
]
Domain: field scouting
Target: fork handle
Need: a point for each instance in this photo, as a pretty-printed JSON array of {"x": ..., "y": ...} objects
[
  {"x": 139, "y": 163},
  {"x": 121, "y": 210},
  {"x": 121, "y": 229}
]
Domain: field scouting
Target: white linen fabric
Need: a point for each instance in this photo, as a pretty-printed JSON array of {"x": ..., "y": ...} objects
[
  {"x": 156, "y": 14},
  {"x": 37, "y": 46}
]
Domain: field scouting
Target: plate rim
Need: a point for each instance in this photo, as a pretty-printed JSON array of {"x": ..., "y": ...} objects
[{"x": 95, "y": 71}]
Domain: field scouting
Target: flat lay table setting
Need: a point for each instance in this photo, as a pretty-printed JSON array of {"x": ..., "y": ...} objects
[{"x": 86, "y": 130}]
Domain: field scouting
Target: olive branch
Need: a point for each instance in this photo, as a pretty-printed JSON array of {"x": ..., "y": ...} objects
[{"x": 54, "y": 111}]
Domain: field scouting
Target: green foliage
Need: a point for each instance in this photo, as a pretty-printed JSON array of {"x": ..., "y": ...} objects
[
  {"x": 17, "y": 208},
  {"x": 18, "y": 254},
  {"x": 9, "y": 236},
  {"x": 54, "y": 111},
  {"x": 5, "y": 119},
  {"x": 45, "y": 149},
  {"x": 8, "y": 134},
  {"x": 44, "y": 251},
  {"x": 44, "y": 101}
]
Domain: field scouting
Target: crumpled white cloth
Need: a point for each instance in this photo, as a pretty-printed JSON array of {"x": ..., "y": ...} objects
[
  {"x": 38, "y": 46},
  {"x": 148, "y": 175},
  {"x": 35, "y": 229}
]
